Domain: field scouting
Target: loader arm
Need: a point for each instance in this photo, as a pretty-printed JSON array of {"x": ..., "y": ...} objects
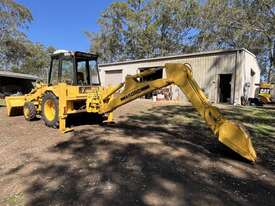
[{"x": 229, "y": 133}]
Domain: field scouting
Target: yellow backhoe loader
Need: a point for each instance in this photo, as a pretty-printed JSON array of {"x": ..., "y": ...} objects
[
  {"x": 264, "y": 95},
  {"x": 74, "y": 86}
]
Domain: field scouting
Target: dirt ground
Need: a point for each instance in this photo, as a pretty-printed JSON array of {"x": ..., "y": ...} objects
[{"x": 155, "y": 154}]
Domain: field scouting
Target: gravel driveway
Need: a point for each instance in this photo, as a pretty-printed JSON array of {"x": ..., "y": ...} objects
[{"x": 155, "y": 154}]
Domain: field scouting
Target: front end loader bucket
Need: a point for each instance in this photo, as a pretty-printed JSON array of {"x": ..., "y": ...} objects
[
  {"x": 15, "y": 105},
  {"x": 237, "y": 138}
]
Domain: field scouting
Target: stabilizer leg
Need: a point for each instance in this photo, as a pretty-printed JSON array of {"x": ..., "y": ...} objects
[{"x": 62, "y": 126}]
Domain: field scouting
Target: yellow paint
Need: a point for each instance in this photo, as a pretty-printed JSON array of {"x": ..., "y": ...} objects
[
  {"x": 229, "y": 133},
  {"x": 13, "y": 104},
  {"x": 265, "y": 97},
  {"x": 26, "y": 112},
  {"x": 95, "y": 99},
  {"x": 49, "y": 110},
  {"x": 110, "y": 117}
]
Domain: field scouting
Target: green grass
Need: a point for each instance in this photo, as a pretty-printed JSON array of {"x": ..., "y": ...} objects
[
  {"x": 2, "y": 102},
  {"x": 259, "y": 121},
  {"x": 15, "y": 200}
]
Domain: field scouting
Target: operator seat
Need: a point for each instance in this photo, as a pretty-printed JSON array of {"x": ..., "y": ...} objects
[{"x": 80, "y": 78}]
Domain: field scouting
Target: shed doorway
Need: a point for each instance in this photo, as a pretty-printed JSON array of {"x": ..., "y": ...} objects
[
  {"x": 157, "y": 75},
  {"x": 225, "y": 88}
]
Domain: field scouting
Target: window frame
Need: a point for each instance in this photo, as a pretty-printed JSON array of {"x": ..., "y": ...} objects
[
  {"x": 74, "y": 60},
  {"x": 86, "y": 63},
  {"x": 61, "y": 69},
  {"x": 97, "y": 70},
  {"x": 51, "y": 71}
]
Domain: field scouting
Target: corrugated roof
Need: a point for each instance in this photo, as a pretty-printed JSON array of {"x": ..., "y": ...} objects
[
  {"x": 177, "y": 56},
  {"x": 18, "y": 75}
]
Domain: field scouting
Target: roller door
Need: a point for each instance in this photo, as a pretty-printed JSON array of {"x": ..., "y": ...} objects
[{"x": 113, "y": 77}]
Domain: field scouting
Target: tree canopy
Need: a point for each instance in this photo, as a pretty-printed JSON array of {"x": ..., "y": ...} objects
[
  {"x": 136, "y": 29},
  {"x": 12, "y": 17},
  {"x": 17, "y": 52},
  {"x": 139, "y": 29},
  {"x": 239, "y": 23}
]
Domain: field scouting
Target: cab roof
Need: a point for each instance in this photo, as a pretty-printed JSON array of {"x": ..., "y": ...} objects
[{"x": 77, "y": 54}]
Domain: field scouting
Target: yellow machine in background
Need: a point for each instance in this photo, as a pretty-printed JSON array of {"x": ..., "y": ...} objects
[
  {"x": 263, "y": 95},
  {"x": 74, "y": 86},
  {"x": 265, "y": 92}
]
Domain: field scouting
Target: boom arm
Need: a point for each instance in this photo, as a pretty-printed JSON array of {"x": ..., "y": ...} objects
[{"x": 228, "y": 132}]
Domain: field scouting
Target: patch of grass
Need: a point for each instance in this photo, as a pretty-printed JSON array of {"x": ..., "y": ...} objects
[
  {"x": 2, "y": 102},
  {"x": 15, "y": 200},
  {"x": 265, "y": 128},
  {"x": 260, "y": 122},
  {"x": 179, "y": 119}
]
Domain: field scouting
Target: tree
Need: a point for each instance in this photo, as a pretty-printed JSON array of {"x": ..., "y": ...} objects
[
  {"x": 17, "y": 53},
  {"x": 176, "y": 22},
  {"x": 13, "y": 17},
  {"x": 36, "y": 60},
  {"x": 142, "y": 29},
  {"x": 146, "y": 28},
  {"x": 240, "y": 23}
]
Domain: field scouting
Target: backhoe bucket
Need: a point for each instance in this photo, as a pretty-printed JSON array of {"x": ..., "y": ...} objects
[
  {"x": 15, "y": 105},
  {"x": 236, "y": 138}
]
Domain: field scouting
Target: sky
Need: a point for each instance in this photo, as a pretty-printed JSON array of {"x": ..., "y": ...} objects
[{"x": 62, "y": 23}]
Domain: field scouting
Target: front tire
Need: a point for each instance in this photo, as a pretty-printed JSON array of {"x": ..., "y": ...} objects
[
  {"x": 50, "y": 111},
  {"x": 29, "y": 111}
]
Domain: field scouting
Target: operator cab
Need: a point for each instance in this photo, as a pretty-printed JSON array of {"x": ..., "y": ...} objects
[{"x": 74, "y": 68}]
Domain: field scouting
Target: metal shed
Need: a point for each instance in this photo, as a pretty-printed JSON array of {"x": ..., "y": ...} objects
[
  {"x": 12, "y": 83},
  {"x": 224, "y": 75}
]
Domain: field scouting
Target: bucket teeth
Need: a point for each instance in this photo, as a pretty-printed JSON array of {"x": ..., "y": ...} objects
[{"x": 237, "y": 138}]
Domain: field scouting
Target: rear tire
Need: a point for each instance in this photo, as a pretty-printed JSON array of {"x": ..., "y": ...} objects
[
  {"x": 29, "y": 111},
  {"x": 50, "y": 111}
]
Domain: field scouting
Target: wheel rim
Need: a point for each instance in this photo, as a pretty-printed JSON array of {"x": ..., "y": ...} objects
[
  {"x": 49, "y": 110},
  {"x": 26, "y": 112}
]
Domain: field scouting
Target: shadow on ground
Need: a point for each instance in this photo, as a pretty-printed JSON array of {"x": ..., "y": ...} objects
[{"x": 163, "y": 156}]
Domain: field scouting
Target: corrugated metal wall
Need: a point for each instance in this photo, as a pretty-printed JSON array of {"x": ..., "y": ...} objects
[
  {"x": 251, "y": 65},
  {"x": 206, "y": 71}
]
